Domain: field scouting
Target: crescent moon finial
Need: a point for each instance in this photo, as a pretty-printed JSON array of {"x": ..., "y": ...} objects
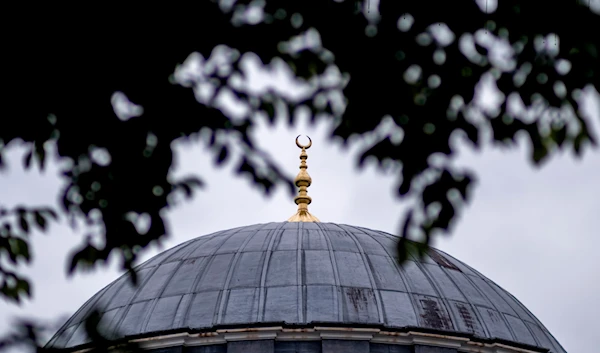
[
  {"x": 305, "y": 147},
  {"x": 302, "y": 182}
]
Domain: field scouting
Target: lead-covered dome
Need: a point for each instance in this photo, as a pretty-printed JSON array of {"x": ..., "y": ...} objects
[{"x": 301, "y": 274}]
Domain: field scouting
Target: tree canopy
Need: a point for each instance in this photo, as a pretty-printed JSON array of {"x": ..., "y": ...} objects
[{"x": 113, "y": 88}]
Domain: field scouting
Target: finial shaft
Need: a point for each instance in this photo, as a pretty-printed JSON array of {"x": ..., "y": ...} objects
[{"x": 303, "y": 181}]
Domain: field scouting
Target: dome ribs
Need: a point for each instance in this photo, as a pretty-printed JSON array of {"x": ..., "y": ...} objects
[
  {"x": 226, "y": 297},
  {"x": 273, "y": 242},
  {"x": 299, "y": 274},
  {"x": 363, "y": 255},
  {"x": 336, "y": 275}
]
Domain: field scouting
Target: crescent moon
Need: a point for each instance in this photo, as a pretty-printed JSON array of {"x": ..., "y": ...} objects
[{"x": 305, "y": 147}]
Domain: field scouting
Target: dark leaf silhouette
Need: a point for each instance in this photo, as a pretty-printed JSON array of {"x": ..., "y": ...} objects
[
  {"x": 29, "y": 334},
  {"x": 40, "y": 220},
  {"x": 222, "y": 155},
  {"x": 27, "y": 158}
]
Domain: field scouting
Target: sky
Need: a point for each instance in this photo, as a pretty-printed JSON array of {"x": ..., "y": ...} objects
[{"x": 533, "y": 231}]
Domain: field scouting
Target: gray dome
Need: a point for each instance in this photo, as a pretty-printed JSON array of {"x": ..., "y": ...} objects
[{"x": 301, "y": 274}]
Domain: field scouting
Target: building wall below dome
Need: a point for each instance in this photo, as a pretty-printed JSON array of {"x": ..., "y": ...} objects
[{"x": 325, "y": 346}]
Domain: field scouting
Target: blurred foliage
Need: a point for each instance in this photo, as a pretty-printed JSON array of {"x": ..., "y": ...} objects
[
  {"x": 28, "y": 334},
  {"x": 15, "y": 228},
  {"x": 415, "y": 66}
]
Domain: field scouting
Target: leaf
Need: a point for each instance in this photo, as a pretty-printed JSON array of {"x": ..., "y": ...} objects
[
  {"x": 578, "y": 142},
  {"x": 539, "y": 153},
  {"x": 48, "y": 212},
  {"x": 133, "y": 275},
  {"x": 187, "y": 185},
  {"x": 222, "y": 155},
  {"x": 445, "y": 216},
  {"x": 40, "y": 220},
  {"x": 40, "y": 154},
  {"x": 23, "y": 223},
  {"x": 186, "y": 189},
  {"x": 84, "y": 258},
  {"x": 19, "y": 248},
  {"x": 433, "y": 192},
  {"x": 23, "y": 286},
  {"x": 268, "y": 108},
  {"x": 27, "y": 158},
  {"x": 463, "y": 186},
  {"x": 405, "y": 225},
  {"x": 560, "y": 135},
  {"x": 18, "y": 290},
  {"x": 470, "y": 129}
]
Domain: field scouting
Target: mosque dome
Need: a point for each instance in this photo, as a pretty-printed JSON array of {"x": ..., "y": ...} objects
[{"x": 307, "y": 286}]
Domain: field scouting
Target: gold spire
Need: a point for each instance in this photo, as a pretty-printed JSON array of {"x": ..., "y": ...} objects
[{"x": 303, "y": 181}]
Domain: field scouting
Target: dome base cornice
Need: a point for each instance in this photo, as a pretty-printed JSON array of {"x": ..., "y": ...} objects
[{"x": 340, "y": 333}]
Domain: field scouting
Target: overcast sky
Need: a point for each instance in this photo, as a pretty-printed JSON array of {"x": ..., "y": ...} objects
[{"x": 532, "y": 231}]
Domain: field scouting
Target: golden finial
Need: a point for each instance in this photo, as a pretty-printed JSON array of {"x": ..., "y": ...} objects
[{"x": 303, "y": 181}]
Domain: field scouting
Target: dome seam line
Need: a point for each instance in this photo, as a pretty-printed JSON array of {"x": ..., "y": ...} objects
[
  {"x": 262, "y": 295},
  {"x": 336, "y": 276},
  {"x": 374, "y": 288},
  {"x": 223, "y": 297}
]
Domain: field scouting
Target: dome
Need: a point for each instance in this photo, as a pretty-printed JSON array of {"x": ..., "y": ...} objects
[
  {"x": 303, "y": 286},
  {"x": 311, "y": 276}
]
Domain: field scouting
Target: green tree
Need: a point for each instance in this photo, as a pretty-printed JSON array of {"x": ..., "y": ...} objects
[{"x": 416, "y": 64}]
